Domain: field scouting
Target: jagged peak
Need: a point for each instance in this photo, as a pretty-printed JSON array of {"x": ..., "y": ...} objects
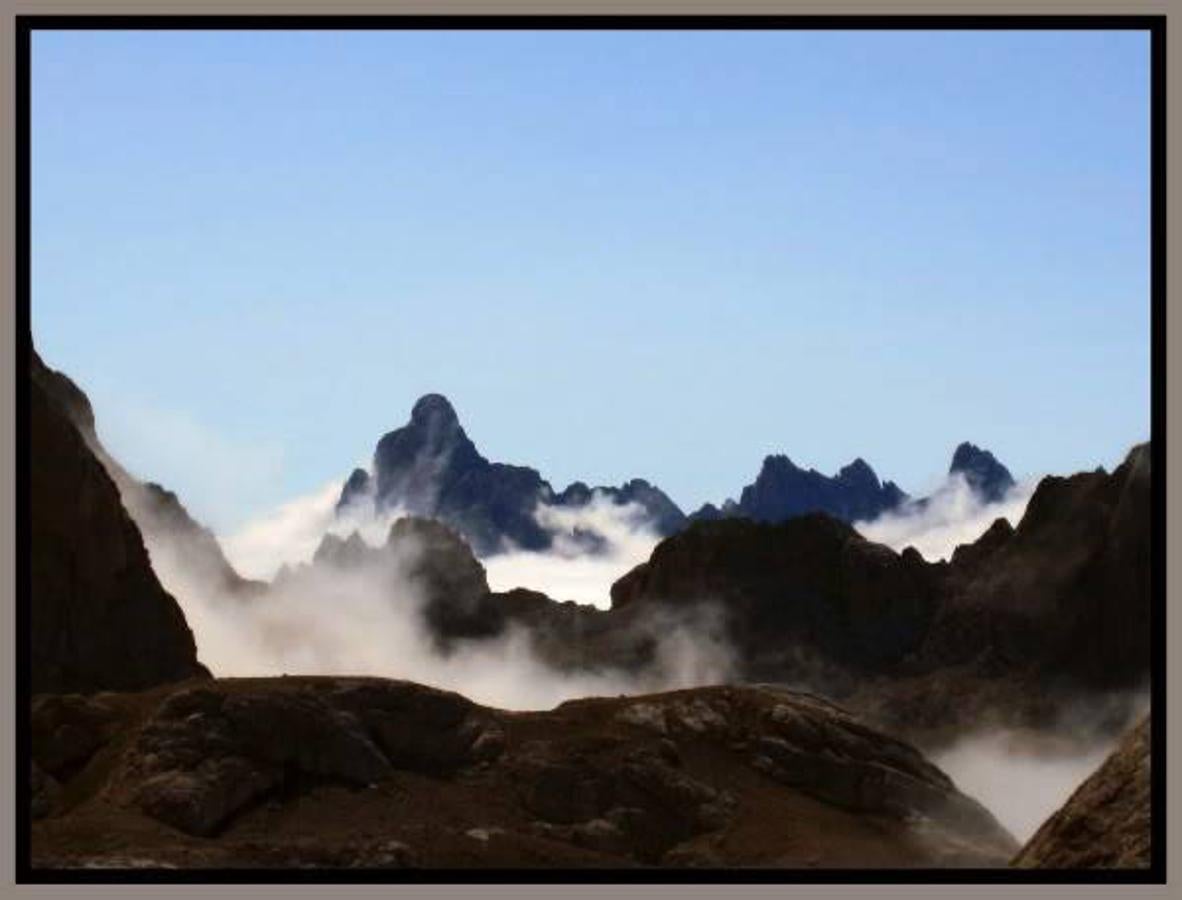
[
  {"x": 967, "y": 454},
  {"x": 859, "y": 470},
  {"x": 433, "y": 408}
]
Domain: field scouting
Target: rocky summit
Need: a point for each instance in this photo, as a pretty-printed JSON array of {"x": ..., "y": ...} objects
[
  {"x": 988, "y": 478},
  {"x": 430, "y": 467},
  {"x": 363, "y": 772}
]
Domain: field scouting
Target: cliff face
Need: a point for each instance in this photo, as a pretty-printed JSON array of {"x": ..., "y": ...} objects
[
  {"x": 1106, "y": 822},
  {"x": 1066, "y": 592},
  {"x": 173, "y": 537},
  {"x": 808, "y": 587},
  {"x": 100, "y": 619}
]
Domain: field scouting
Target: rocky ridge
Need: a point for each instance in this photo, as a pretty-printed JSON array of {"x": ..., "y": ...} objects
[{"x": 347, "y": 772}]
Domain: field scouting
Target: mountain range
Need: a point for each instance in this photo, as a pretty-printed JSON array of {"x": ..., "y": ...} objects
[
  {"x": 141, "y": 758},
  {"x": 430, "y": 467}
]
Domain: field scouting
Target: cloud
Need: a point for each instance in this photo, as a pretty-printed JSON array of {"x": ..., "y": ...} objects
[
  {"x": 368, "y": 619},
  {"x": 159, "y": 444},
  {"x": 954, "y": 515},
  {"x": 568, "y": 571}
]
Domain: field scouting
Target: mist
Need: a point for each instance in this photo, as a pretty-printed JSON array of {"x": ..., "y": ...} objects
[
  {"x": 954, "y": 515},
  {"x": 1021, "y": 785},
  {"x": 367, "y": 619},
  {"x": 567, "y": 571},
  {"x": 322, "y": 618}
]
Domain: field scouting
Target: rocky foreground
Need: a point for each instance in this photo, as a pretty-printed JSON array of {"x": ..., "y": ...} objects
[
  {"x": 361, "y": 772},
  {"x": 139, "y": 758}
]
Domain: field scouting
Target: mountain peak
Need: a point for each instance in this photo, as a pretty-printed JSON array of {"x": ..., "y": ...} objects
[
  {"x": 434, "y": 408},
  {"x": 982, "y": 471},
  {"x": 859, "y": 472}
]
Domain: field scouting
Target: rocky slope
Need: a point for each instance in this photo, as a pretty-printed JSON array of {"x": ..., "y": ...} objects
[
  {"x": 99, "y": 617},
  {"x": 1106, "y": 822},
  {"x": 1062, "y": 602},
  {"x": 1068, "y": 591},
  {"x": 431, "y": 468},
  {"x": 174, "y": 539},
  {"x": 1016, "y": 627},
  {"x": 349, "y": 772}
]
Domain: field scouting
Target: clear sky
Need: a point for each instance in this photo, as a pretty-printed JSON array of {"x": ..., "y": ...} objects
[{"x": 651, "y": 254}]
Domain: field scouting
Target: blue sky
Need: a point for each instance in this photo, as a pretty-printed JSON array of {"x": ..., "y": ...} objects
[{"x": 652, "y": 254}]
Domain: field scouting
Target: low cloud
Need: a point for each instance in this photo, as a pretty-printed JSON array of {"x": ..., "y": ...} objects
[
  {"x": 567, "y": 571},
  {"x": 236, "y": 473},
  {"x": 324, "y": 619},
  {"x": 1023, "y": 778},
  {"x": 953, "y": 515}
]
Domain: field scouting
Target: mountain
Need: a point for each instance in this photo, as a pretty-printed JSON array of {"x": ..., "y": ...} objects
[
  {"x": 370, "y": 773},
  {"x": 1015, "y": 627},
  {"x": 1015, "y": 623},
  {"x": 174, "y": 539},
  {"x": 1067, "y": 590},
  {"x": 782, "y": 490},
  {"x": 988, "y": 478},
  {"x": 1106, "y": 822},
  {"x": 430, "y": 467},
  {"x": 100, "y": 618}
]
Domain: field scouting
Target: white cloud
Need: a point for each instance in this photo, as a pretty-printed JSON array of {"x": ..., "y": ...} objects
[
  {"x": 365, "y": 621},
  {"x": 954, "y": 515},
  {"x": 161, "y": 445},
  {"x": 567, "y": 571}
]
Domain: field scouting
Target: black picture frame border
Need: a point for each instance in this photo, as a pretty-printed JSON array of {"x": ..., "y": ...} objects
[{"x": 1155, "y": 25}]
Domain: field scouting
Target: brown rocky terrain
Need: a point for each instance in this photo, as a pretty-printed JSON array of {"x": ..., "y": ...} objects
[
  {"x": 348, "y": 772},
  {"x": 1106, "y": 822}
]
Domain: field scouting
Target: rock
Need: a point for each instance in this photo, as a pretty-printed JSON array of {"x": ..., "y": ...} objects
[
  {"x": 302, "y": 729},
  {"x": 201, "y": 800},
  {"x": 971, "y": 556},
  {"x": 782, "y": 490},
  {"x": 43, "y": 792},
  {"x": 422, "y": 729},
  {"x": 431, "y": 469},
  {"x": 811, "y": 584},
  {"x": 1106, "y": 822},
  {"x": 1014, "y": 628},
  {"x": 356, "y": 771},
  {"x": 100, "y": 618},
  {"x": 67, "y": 729},
  {"x": 987, "y": 477},
  {"x": 173, "y": 538},
  {"x": 1067, "y": 594}
]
